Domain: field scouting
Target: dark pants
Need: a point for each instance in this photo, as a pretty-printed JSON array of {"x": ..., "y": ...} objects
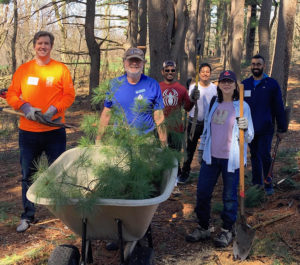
[
  {"x": 191, "y": 145},
  {"x": 260, "y": 149},
  {"x": 32, "y": 145},
  {"x": 175, "y": 142},
  {"x": 207, "y": 180}
]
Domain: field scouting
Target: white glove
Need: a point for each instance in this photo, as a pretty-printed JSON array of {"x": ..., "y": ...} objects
[
  {"x": 242, "y": 123},
  {"x": 200, "y": 155},
  {"x": 51, "y": 111},
  {"x": 29, "y": 111},
  {"x": 195, "y": 95}
]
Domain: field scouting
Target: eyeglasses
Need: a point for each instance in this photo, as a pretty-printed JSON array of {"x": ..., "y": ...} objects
[{"x": 170, "y": 70}]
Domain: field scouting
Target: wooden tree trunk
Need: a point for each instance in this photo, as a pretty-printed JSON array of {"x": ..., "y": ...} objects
[
  {"x": 208, "y": 26},
  {"x": 201, "y": 24},
  {"x": 142, "y": 33},
  {"x": 284, "y": 43},
  {"x": 93, "y": 46},
  {"x": 158, "y": 39},
  {"x": 264, "y": 31},
  {"x": 224, "y": 35},
  {"x": 191, "y": 38},
  {"x": 132, "y": 22},
  {"x": 178, "y": 38},
  {"x": 14, "y": 38},
  {"x": 237, "y": 14},
  {"x": 220, "y": 14},
  {"x": 251, "y": 33}
]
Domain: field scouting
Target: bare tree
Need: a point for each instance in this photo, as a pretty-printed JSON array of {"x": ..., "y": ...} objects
[
  {"x": 14, "y": 37},
  {"x": 283, "y": 50},
  {"x": 264, "y": 31},
  {"x": 158, "y": 39},
  {"x": 191, "y": 38},
  {"x": 237, "y": 14},
  {"x": 142, "y": 33},
  {"x": 251, "y": 27},
  {"x": 132, "y": 22}
]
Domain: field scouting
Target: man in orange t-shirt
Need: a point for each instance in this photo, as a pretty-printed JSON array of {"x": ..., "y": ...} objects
[{"x": 45, "y": 85}]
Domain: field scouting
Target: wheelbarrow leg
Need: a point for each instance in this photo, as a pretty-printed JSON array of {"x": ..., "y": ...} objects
[
  {"x": 149, "y": 237},
  {"x": 120, "y": 233},
  {"x": 86, "y": 246}
]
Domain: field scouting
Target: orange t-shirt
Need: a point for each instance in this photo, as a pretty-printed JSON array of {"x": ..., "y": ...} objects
[{"x": 41, "y": 87}]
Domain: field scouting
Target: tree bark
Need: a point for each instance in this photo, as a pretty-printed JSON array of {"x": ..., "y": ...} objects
[
  {"x": 93, "y": 46},
  {"x": 264, "y": 31},
  {"x": 142, "y": 34},
  {"x": 191, "y": 39},
  {"x": 237, "y": 14},
  {"x": 158, "y": 39},
  {"x": 14, "y": 38},
  {"x": 220, "y": 13},
  {"x": 132, "y": 22},
  {"x": 284, "y": 43},
  {"x": 201, "y": 24},
  {"x": 251, "y": 33}
]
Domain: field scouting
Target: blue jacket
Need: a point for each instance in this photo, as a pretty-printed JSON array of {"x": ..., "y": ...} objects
[
  {"x": 234, "y": 157},
  {"x": 265, "y": 101}
]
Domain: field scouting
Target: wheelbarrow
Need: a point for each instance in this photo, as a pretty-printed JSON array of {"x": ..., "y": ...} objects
[{"x": 124, "y": 220}]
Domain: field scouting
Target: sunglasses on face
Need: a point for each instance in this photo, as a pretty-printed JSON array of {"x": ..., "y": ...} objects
[{"x": 170, "y": 70}]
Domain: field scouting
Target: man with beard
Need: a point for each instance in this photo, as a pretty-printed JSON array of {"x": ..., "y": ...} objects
[
  {"x": 127, "y": 89},
  {"x": 175, "y": 97},
  {"x": 263, "y": 95}
]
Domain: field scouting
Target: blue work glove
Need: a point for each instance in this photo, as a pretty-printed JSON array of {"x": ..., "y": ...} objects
[
  {"x": 51, "y": 111},
  {"x": 29, "y": 111},
  {"x": 195, "y": 95}
]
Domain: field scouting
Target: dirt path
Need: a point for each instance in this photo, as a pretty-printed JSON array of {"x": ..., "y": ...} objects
[{"x": 171, "y": 222}]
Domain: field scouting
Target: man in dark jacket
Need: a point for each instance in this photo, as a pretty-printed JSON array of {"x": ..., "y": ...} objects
[{"x": 263, "y": 95}]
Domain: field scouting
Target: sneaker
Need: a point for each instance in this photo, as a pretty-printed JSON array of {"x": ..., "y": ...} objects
[
  {"x": 183, "y": 178},
  {"x": 23, "y": 226},
  {"x": 198, "y": 234},
  {"x": 223, "y": 239}
]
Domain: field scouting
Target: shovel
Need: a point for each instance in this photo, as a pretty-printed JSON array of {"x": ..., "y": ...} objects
[{"x": 244, "y": 233}]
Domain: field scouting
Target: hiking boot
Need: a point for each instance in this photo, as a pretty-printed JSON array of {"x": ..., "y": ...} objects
[
  {"x": 198, "y": 234},
  {"x": 23, "y": 226},
  {"x": 183, "y": 178},
  {"x": 269, "y": 189},
  {"x": 223, "y": 239}
]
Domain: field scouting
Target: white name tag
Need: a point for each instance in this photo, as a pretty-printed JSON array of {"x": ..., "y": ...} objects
[
  {"x": 33, "y": 80},
  {"x": 247, "y": 93}
]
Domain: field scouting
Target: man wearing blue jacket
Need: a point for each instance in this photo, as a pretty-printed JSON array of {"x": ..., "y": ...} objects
[{"x": 263, "y": 95}]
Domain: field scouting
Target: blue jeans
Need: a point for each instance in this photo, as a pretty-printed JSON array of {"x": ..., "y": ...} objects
[
  {"x": 207, "y": 180},
  {"x": 32, "y": 145},
  {"x": 260, "y": 149}
]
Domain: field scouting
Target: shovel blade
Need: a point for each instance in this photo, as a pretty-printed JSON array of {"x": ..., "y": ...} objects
[{"x": 243, "y": 241}]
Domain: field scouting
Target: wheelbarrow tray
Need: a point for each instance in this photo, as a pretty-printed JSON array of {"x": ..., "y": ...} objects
[{"x": 136, "y": 215}]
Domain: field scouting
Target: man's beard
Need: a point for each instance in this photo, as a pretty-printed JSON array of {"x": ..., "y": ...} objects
[
  {"x": 257, "y": 73},
  {"x": 134, "y": 75}
]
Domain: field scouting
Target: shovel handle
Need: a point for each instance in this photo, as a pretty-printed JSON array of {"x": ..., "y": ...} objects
[
  {"x": 241, "y": 136},
  {"x": 11, "y": 111}
]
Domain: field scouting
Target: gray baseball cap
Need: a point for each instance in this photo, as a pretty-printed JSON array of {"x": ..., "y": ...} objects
[{"x": 134, "y": 53}]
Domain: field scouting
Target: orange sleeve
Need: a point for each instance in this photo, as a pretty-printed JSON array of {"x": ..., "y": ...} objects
[{"x": 14, "y": 91}]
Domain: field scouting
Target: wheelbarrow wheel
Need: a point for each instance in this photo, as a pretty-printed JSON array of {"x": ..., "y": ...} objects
[{"x": 64, "y": 255}]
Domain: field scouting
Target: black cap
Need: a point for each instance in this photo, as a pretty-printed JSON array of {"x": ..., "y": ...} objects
[{"x": 227, "y": 75}]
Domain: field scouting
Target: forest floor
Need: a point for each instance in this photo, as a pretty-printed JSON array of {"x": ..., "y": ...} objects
[{"x": 275, "y": 243}]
